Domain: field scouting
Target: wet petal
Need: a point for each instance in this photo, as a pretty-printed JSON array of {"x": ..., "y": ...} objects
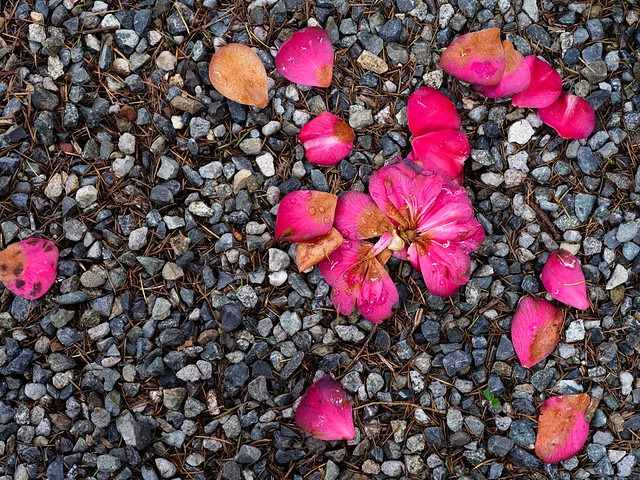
[
  {"x": 444, "y": 269},
  {"x": 535, "y": 330},
  {"x": 311, "y": 252},
  {"x": 343, "y": 259},
  {"x": 445, "y": 151},
  {"x": 378, "y": 294},
  {"x": 562, "y": 427},
  {"x": 327, "y": 139},
  {"x": 515, "y": 79},
  {"x": 428, "y": 110},
  {"x": 307, "y": 58},
  {"x": 304, "y": 215},
  {"x": 570, "y": 115},
  {"x": 325, "y": 411},
  {"x": 476, "y": 57},
  {"x": 545, "y": 86},
  {"x": 28, "y": 268},
  {"x": 358, "y": 217},
  {"x": 563, "y": 278},
  {"x": 453, "y": 222}
]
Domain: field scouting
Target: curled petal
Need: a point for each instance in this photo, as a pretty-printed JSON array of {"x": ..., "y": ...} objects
[
  {"x": 325, "y": 411},
  {"x": 445, "y": 151},
  {"x": 327, "y": 139},
  {"x": 476, "y": 57},
  {"x": 562, "y": 427},
  {"x": 28, "y": 268},
  {"x": 516, "y": 78},
  {"x": 305, "y": 215},
  {"x": 312, "y": 252},
  {"x": 428, "y": 110},
  {"x": 570, "y": 115},
  {"x": 545, "y": 86},
  {"x": 307, "y": 58},
  {"x": 358, "y": 217},
  {"x": 535, "y": 330},
  {"x": 563, "y": 278}
]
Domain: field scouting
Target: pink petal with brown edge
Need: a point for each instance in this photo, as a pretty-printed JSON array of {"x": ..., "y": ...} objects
[
  {"x": 327, "y": 139},
  {"x": 445, "y": 151},
  {"x": 545, "y": 86},
  {"x": 28, "y": 268},
  {"x": 428, "y": 110},
  {"x": 359, "y": 218},
  {"x": 476, "y": 57},
  {"x": 311, "y": 252},
  {"x": 563, "y": 278},
  {"x": 562, "y": 427},
  {"x": 304, "y": 215},
  {"x": 571, "y": 116},
  {"x": 535, "y": 330},
  {"x": 307, "y": 58},
  {"x": 325, "y": 412},
  {"x": 515, "y": 79}
]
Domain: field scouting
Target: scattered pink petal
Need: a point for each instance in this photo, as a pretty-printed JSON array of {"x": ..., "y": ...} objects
[
  {"x": 562, "y": 427},
  {"x": 307, "y": 58},
  {"x": 359, "y": 218},
  {"x": 311, "y": 252},
  {"x": 563, "y": 278},
  {"x": 304, "y": 215},
  {"x": 28, "y": 268},
  {"x": 545, "y": 86},
  {"x": 327, "y": 139},
  {"x": 570, "y": 115},
  {"x": 325, "y": 411},
  {"x": 516, "y": 78},
  {"x": 535, "y": 330},
  {"x": 476, "y": 57},
  {"x": 445, "y": 150},
  {"x": 428, "y": 110}
]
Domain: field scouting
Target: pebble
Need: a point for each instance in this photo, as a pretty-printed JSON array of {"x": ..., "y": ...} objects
[{"x": 520, "y": 132}]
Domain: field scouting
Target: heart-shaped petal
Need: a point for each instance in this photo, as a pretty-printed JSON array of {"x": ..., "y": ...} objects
[
  {"x": 515, "y": 79},
  {"x": 570, "y": 115},
  {"x": 476, "y": 57},
  {"x": 445, "y": 151},
  {"x": 305, "y": 215},
  {"x": 545, "y": 86},
  {"x": 428, "y": 110},
  {"x": 563, "y": 278},
  {"x": 311, "y": 252},
  {"x": 307, "y": 58},
  {"x": 28, "y": 268},
  {"x": 327, "y": 139}
]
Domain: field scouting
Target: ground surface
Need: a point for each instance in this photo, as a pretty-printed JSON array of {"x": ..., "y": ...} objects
[{"x": 168, "y": 348}]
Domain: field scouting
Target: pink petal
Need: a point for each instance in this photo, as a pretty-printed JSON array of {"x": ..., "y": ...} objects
[
  {"x": 28, "y": 268},
  {"x": 445, "y": 151},
  {"x": 358, "y": 217},
  {"x": 304, "y": 215},
  {"x": 428, "y": 110},
  {"x": 327, "y": 139},
  {"x": 563, "y": 278},
  {"x": 562, "y": 427},
  {"x": 476, "y": 57},
  {"x": 325, "y": 411},
  {"x": 307, "y": 58},
  {"x": 545, "y": 86},
  {"x": 378, "y": 294},
  {"x": 570, "y": 116},
  {"x": 311, "y": 252},
  {"x": 516, "y": 78},
  {"x": 444, "y": 269},
  {"x": 535, "y": 330}
]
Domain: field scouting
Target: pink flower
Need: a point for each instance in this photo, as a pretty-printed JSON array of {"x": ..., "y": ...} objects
[
  {"x": 325, "y": 412},
  {"x": 28, "y": 268},
  {"x": 545, "y": 86},
  {"x": 327, "y": 139},
  {"x": 515, "y": 79},
  {"x": 570, "y": 116},
  {"x": 563, "y": 278},
  {"x": 307, "y": 58},
  {"x": 562, "y": 427}
]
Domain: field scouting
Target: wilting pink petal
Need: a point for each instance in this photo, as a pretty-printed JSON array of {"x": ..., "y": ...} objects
[
  {"x": 304, "y": 215},
  {"x": 28, "y": 268},
  {"x": 445, "y": 150},
  {"x": 563, "y": 278},
  {"x": 535, "y": 330},
  {"x": 311, "y": 252},
  {"x": 476, "y": 57},
  {"x": 545, "y": 86},
  {"x": 307, "y": 58},
  {"x": 327, "y": 139},
  {"x": 325, "y": 411},
  {"x": 358, "y": 217},
  {"x": 570, "y": 115},
  {"x": 515, "y": 79},
  {"x": 428, "y": 110},
  {"x": 562, "y": 427},
  {"x": 444, "y": 269}
]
